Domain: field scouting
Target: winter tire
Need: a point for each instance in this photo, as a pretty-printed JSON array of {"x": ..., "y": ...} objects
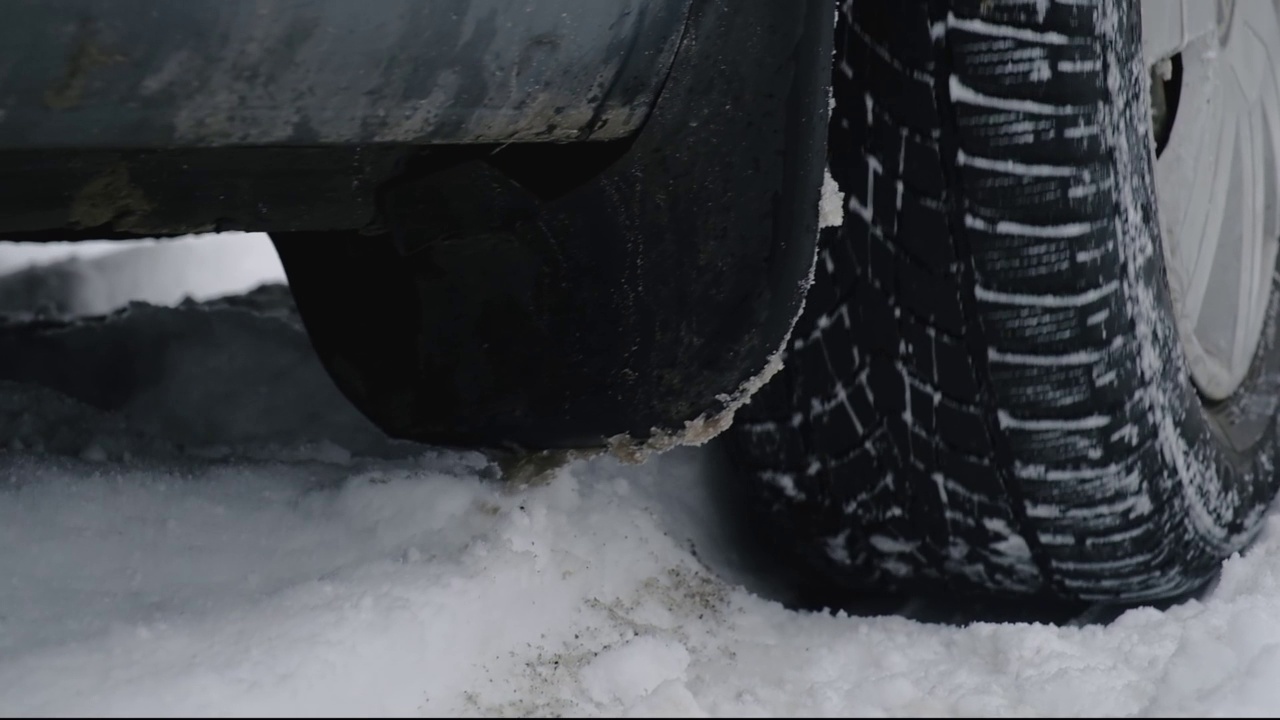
[{"x": 1037, "y": 358}]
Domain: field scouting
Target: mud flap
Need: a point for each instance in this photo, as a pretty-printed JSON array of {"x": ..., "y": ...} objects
[{"x": 500, "y": 308}]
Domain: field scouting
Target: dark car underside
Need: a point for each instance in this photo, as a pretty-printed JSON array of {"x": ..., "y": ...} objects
[{"x": 528, "y": 223}]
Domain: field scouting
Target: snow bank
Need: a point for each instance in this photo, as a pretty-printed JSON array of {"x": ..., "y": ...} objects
[
  {"x": 88, "y": 278},
  {"x": 176, "y": 541},
  {"x": 426, "y": 587}
]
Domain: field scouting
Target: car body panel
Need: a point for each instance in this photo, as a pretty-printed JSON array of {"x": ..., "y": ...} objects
[{"x": 106, "y": 74}]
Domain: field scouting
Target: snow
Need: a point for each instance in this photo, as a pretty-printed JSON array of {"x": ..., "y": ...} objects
[
  {"x": 1013, "y": 167},
  {"x": 88, "y": 278},
  {"x": 961, "y": 93},
  {"x": 996, "y": 30},
  {"x": 274, "y": 560},
  {"x": 831, "y": 204}
]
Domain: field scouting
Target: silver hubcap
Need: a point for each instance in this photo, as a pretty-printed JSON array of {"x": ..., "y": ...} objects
[{"x": 1218, "y": 177}]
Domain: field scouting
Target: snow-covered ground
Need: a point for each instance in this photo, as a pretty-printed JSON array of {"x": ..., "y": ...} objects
[
  {"x": 222, "y": 535},
  {"x": 87, "y": 278}
]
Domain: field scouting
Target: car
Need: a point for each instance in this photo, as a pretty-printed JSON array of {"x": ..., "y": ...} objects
[{"x": 980, "y": 293}]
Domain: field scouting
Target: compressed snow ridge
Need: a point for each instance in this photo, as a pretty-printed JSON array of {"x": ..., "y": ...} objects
[{"x": 831, "y": 209}]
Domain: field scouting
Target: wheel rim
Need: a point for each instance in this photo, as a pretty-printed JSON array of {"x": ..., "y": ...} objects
[{"x": 1217, "y": 176}]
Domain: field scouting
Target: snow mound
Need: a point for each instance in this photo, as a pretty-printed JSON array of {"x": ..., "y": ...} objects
[
  {"x": 194, "y": 522},
  {"x": 422, "y": 587},
  {"x": 225, "y": 376}
]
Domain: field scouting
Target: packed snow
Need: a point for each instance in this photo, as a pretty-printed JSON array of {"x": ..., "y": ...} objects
[{"x": 194, "y": 522}]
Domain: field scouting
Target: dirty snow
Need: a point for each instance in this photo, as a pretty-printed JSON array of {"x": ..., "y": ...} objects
[{"x": 195, "y": 530}]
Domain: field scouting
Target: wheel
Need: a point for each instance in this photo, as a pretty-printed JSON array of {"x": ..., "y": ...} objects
[{"x": 1039, "y": 356}]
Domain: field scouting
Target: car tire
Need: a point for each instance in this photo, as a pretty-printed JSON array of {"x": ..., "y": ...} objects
[{"x": 988, "y": 390}]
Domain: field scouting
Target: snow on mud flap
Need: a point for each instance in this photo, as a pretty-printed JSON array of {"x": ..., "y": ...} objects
[{"x": 988, "y": 389}]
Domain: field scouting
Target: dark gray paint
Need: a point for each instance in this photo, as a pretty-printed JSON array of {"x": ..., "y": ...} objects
[{"x": 170, "y": 73}]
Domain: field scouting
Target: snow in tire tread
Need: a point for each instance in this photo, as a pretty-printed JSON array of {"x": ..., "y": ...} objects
[{"x": 970, "y": 398}]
